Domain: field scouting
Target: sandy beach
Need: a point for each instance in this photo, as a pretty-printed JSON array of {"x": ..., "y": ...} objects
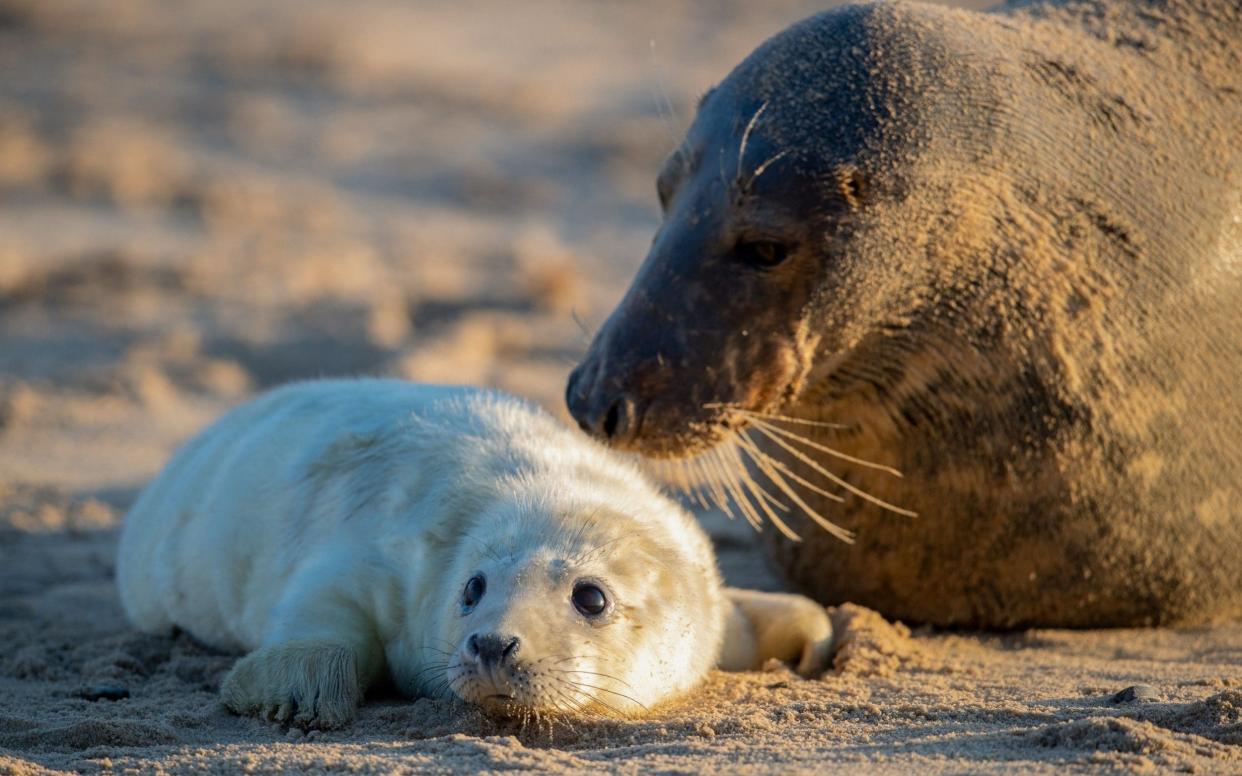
[{"x": 199, "y": 201}]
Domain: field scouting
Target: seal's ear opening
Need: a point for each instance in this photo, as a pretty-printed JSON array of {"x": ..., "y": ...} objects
[{"x": 853, "y": 186}]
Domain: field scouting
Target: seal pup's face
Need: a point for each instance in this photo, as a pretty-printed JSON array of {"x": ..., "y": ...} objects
[{"x": 575, "y": 612}]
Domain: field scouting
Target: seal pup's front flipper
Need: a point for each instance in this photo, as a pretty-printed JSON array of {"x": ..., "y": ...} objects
[
  {"x": 784, "y": 626},
  {"x": 322, "y": 649},
  {"x": 304, "y": 683}
]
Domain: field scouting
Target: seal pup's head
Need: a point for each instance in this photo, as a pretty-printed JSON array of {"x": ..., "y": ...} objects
[{"x": 595, "y": 597}]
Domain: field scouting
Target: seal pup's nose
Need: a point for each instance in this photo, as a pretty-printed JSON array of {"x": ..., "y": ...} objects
[{"x": 492, "y": 648}]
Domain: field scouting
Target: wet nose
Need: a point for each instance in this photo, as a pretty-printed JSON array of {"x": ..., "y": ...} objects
[
  {"x": 611, "y": 416},
  {"x": 493, "y": 648}
]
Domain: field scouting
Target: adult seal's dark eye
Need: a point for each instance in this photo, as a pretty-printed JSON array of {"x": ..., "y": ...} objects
[
  {"x": 761, "y": 253},
  {"x": 589, "y": 599},
  {"x": 474, "y": 591}
]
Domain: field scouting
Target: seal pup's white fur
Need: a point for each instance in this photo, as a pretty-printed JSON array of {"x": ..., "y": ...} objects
[{"x": 332, "y": 529}]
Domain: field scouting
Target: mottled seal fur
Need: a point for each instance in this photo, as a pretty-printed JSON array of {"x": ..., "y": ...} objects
[
  {"x": 1003, "y": 252},
  {"x": 454, "y": 541}
]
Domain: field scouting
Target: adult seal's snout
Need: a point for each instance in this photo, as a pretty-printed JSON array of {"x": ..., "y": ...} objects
[{"x": 998, "y": 253}]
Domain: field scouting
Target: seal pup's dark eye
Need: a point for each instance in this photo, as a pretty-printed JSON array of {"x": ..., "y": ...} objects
[
  {"x": 589, "y": 599},
  {"x": 474, "y": 591},
  {"x": 761, "y": 253}
]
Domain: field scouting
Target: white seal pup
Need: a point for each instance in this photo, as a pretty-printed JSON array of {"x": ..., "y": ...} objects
[{"x": 457, "y": 541}]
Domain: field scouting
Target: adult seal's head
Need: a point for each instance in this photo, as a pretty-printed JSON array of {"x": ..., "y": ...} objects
[
  {"x": 750, "y": 277},
  {"x": 998, "y": 253}
]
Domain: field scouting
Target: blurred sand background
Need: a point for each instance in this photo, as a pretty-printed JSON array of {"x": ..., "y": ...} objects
[{"x": 201, "y": 200}]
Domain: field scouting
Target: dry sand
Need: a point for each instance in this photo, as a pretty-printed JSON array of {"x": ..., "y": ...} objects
[{"x": 198, "y": 201}]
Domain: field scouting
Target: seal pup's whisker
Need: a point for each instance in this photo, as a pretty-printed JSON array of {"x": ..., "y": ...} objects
[
  {"x": 622, "y": 682},
  {"x": 441, "y": 688},
  {"x": 595, "y": 699},
  {"x": 562, "y": 676},
  {"x": 577, "y": 683},
  {"x": 594, "y": 553},
  {"x": 441, "y": 683},
  {"x": 430, "y": 668},
  {"x": 561, "y": 687},
  {"x": 588, "y": 522},
  {"x": 574, "y": 705},
  {"x": 446, "y": 642},
  {"x": 487, "y": 548}
]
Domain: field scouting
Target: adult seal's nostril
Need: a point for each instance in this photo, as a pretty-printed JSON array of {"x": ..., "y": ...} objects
[
  {"x": 615, "y": 422},
  {"x": 494, "y": 649}
]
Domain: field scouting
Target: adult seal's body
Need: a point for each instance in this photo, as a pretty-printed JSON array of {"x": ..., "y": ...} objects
[
  {"x": 456, "y": 541},
  {"x": 1002, "y": 252}
]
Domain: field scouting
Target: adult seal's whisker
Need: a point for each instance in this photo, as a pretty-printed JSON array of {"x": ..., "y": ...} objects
[
  {"x": 799, "y": 438},
  {"x": 835, "y": 479},
  {"x": 762, "y": 461}
]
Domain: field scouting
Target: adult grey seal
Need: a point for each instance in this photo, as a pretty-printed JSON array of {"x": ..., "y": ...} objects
[
  {"x": 455, "y": 541},
  {"x": 999, "y": 253}
]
